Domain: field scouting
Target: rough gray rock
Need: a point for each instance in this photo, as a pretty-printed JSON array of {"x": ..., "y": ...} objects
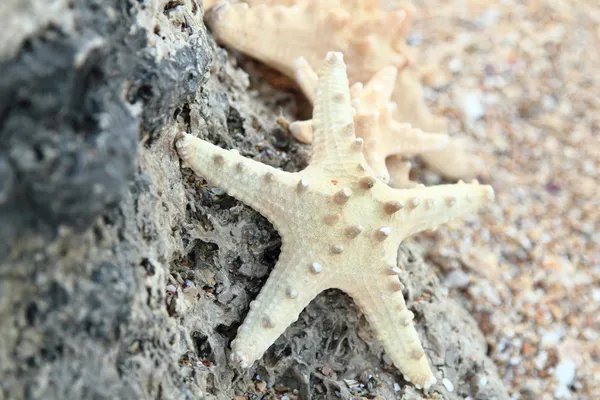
[{"x": 122, "y": 275}]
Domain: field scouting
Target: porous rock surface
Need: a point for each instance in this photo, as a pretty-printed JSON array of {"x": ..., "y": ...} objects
[{"x": 123, "y": 276}]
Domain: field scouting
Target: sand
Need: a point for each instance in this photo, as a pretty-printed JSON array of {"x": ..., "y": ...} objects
[{"x": 523, "y": 80}]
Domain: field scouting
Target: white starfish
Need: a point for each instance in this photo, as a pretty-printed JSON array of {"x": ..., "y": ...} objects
[
  {"x": 340, "y": 228},
  {"x": 383, "y": 136}
]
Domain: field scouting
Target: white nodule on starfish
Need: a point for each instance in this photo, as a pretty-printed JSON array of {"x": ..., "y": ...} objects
[
  {"x": 340, "y": 228},
  {"x": 302, "y": 130}
]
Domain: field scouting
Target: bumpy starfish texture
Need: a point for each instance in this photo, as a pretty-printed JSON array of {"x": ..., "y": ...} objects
[
  {"x": 340, "y": 228},
  {"x": 369, "y": 37},
  {"x": 382, "y": 135},
  {"x": 278, "y": 32}
]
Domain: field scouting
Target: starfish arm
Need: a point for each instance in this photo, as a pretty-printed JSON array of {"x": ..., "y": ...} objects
[
  {"x": 277, "y": 34},
  {"x": 384, "y": 138},
  {"x": 399, "y": 173},
  {"x": 306, "y": 78},
  {"x": 378, "y": 90},
  {"x": 369, "y": 129},
  {"x": 334, "y": 146},
  {"x": 377, "y": 163},
  {"x": 427, "y": 207},
  {"x": 257, "y": 31},
  {"x": 405, "y": 20},
  {"x": 392, "y": 323},
  {"x": 374, "y": 122},
  {"x": 262, "y": 187},
  {"x": 411, "y": 106},
  {"x": 403, "y": 138},
  {"x": 293, "y": 283},
  {"x": 454, "y": 161}
]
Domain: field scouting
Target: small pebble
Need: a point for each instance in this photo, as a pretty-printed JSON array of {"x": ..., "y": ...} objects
[
  {"x": 448, "y": 385},
  {"x": 455, "y": 65},
  {"x": 470, "y": 104},
  {"x": 540, "y": 360},
  {"x": 552, "y": 338},
  {"x": 171, "y": 289},
  {"x": 565, "y": 372},
  {"x": 186, "y": 371},
  {"x": 188, "y": 285},
  {"x": 457, "y": 279},
  {"x": 483, "y": 381}
]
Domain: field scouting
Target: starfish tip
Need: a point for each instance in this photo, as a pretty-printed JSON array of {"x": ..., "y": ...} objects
[
  {"x": 334, "y": 57},
  {"x": 240, "y": 359},
  {"x": 430, "y": 382},
  {"x": 182, "y": 147},
  {"x": 300, "y": 62}
]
